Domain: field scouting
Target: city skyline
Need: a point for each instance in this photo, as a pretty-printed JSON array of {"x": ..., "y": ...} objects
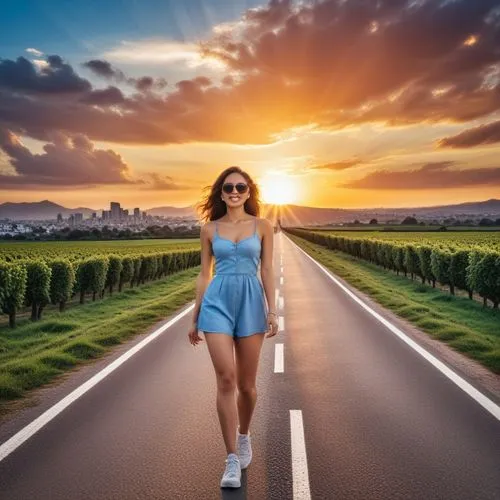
[{"x": 325, "y": 104}]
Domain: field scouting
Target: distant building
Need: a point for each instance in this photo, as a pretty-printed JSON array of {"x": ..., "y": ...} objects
[
  {"x": 115, "y": 210},
  {"x": 59, "y": 218}
]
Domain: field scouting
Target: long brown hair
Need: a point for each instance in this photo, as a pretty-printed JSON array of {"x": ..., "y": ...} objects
[{"x": 212, "y": 207}]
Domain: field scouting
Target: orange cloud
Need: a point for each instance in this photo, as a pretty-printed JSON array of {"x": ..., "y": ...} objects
[
  {"x": 329, "y": 63},
  {"x": 437, "y": 175}
]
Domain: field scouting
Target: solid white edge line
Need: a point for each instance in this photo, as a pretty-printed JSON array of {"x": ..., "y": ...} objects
[
  {"x": 300, "y": 473},
  {"x": 468, "y": 388},
  {"x": 278, "y": 358},
  {"x": 26, "y": 432}
]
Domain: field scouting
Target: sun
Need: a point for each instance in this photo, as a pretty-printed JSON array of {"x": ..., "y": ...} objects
[{"x": 277, "y": 188}]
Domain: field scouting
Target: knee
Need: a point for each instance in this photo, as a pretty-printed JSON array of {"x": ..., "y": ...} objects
[
  {"x": 226, "y": 382},
  {"x": 247, "y": 389}
]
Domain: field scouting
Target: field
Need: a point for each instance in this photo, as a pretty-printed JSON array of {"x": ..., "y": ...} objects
[
  {"x": 73, "y": 250},
  {"x": 486, "y": 239}
]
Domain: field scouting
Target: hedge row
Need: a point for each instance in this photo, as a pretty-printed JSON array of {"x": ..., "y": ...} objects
[
  {"x": 39, "y": 282},
  {"x": 474, "y": 269}
]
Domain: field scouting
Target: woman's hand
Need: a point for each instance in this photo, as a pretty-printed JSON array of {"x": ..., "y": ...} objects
[
  {"x": 193, "y": 336},
  {"x": 272, "y": 321}
]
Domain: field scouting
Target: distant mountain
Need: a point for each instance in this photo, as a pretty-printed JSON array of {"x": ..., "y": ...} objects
[
  {"x": 291, "y": 215},
  {"x": 42, "y": 210},
  {"x": 295, "y": 215},
  {"x": 172, "y": 211}
]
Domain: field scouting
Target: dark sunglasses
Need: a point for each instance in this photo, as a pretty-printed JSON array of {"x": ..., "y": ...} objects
[{"x": 241, "y": 187}]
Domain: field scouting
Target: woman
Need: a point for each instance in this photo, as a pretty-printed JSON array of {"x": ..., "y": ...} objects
[{"x": 232, "y": 305}]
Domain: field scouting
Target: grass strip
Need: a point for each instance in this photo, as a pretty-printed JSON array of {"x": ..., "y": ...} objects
[{"x": 35, "y": 353}]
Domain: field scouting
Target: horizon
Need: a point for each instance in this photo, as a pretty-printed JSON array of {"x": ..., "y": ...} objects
[
  {"x": 155, "y": 100},
  {"x": 281, "y": 205}
]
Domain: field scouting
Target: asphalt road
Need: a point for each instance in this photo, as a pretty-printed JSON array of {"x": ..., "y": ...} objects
[{"x": 379, "y": 420}]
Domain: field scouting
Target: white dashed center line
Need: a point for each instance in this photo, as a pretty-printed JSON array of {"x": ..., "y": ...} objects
[
  {"x": 300, "y": 473},
  {"x": 279, "y": 364}
]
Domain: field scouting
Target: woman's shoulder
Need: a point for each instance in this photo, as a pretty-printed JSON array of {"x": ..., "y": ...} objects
[
  {"x": 263, "y": 221},
  {"x": 208, "y": 227}
]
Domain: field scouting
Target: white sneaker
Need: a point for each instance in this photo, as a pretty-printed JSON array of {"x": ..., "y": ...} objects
[
  {"x": 232, "y": 475},
  {"x": 244, "y": 449}
]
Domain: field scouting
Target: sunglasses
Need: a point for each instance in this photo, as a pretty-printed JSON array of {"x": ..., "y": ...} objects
[{"x": 241, "y": 187}]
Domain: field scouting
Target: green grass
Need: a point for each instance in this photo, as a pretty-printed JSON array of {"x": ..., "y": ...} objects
[
  {"x": 460, "y": 322},
  {"x": 35, "y": 353}
]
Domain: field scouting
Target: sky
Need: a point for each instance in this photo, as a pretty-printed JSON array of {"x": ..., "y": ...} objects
[{"x": 325, "y": 103}]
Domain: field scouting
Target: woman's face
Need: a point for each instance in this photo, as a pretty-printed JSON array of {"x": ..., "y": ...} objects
[{"x": 235, "y": 199}]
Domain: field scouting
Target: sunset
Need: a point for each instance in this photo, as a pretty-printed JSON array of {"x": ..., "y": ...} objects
[
  {"x": 146, "y": 102},
  {"x": 278, "y": 188},
  {"x": 250, "y": 249}
]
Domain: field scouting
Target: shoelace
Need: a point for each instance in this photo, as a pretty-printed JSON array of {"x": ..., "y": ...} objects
[
  {"x": 232, "y": 465},
  {"x": 243, "y": 442}
]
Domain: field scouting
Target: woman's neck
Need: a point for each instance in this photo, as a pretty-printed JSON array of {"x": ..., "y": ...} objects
[{"x": 236, "y": 214}]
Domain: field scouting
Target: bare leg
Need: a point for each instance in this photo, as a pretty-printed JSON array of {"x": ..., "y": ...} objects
[
  {"x": 220, "y": 347},
  {"x": 247, "y": 359}
]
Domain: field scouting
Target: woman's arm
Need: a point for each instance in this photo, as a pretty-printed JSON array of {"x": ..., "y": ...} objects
[
  {"x": 266, "y": 264},
  {"x": 205, "y": 275}
]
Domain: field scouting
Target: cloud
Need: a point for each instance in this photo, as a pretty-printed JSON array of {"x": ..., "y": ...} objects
[
  {"x": 477, "y": 136},
  {"x": 339, "y": 165},
  {"x": 437, "y": 175},
  {"x": 104, "y": 97},
  {"x": 73, "y": 162},
  {"x": 330, "y": 63},
  {"x": 158, "y": 51},
  {"x": 56, "y": 77},
  {"x": 156, "y": 181},
  {"x": 35, "y": 52},
  {"x": 104, "y": 69},
  {"x": 66, "y": 161}
]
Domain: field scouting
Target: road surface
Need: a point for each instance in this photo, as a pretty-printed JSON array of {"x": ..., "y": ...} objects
[{"x": 350, "y": 411}]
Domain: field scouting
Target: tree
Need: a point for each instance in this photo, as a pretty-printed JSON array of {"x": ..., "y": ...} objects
[
  {"x": 62, "y": 282},
  {"x": 486, "y": 222},
  {"x": 409, "y": 221},
  {"x": 38, "y": 287},
  {"x": 13, "y": 280}
]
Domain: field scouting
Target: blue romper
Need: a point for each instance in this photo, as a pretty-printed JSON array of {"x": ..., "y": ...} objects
[{"x": 234, "y": 301}]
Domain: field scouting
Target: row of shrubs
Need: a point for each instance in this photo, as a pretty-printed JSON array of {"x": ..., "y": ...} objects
[
  {"x": 38, "y": 282},
  {"x": 473, "y": 269}
]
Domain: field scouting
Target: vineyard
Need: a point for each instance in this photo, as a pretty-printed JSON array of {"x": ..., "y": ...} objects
[
  {"x": 466, "y": 261},
  {"x": 38, "y": 274}
]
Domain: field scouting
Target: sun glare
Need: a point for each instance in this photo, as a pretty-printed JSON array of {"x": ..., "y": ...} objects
[{"x": 277, "y": 188}]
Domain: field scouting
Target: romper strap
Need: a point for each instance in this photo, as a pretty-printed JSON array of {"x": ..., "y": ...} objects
[{"x": 255, "y": 232}]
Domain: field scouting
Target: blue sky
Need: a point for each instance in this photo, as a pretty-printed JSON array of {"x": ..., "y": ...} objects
[{"x": 80, "y": 28}]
